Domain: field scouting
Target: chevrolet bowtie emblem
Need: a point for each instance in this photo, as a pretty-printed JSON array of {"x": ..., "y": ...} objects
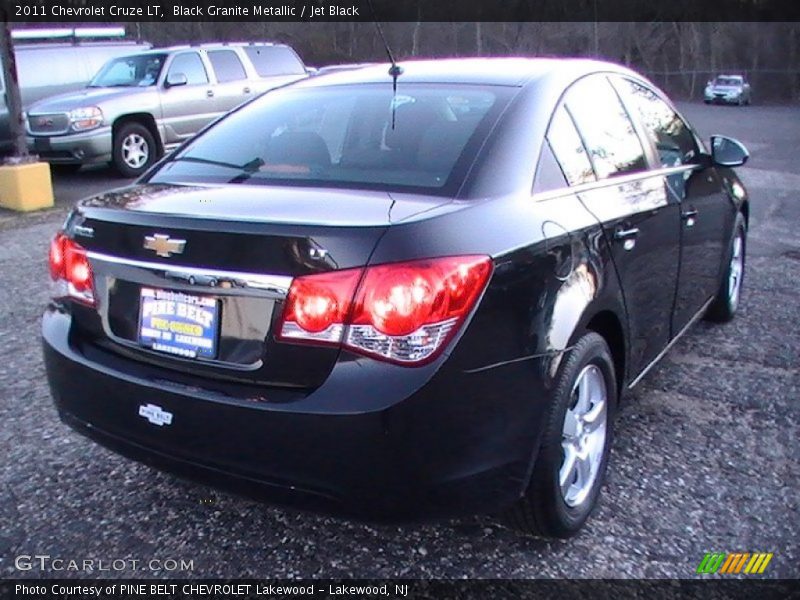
[{"x": 163, "y": 245}]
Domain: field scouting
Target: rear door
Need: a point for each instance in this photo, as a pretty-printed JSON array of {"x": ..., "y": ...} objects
[
  {"x": 187, "y": 108},
  {"x": 641, "y": 225},
  {"x": 232, "y": 87},
  {"x": 706, "y": 213}
]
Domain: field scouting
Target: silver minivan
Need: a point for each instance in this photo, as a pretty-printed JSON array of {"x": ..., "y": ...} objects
[
  {"x": 142, "y": 105},
  {"x": 54, "y": 61}
]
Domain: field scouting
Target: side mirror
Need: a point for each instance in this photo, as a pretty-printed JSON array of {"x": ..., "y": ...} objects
[
  {"x": 728, "y": 152},
  {"x": 176, "y": 79}
]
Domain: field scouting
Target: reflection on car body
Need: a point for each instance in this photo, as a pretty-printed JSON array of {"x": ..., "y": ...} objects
[{"x": 421, "y": 301}]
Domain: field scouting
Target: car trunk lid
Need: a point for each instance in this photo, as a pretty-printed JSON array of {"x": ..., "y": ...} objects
[{"x": 208, "y": 268}]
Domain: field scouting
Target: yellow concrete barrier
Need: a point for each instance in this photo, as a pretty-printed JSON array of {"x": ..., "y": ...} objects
[{"x": 26, "y": 187}]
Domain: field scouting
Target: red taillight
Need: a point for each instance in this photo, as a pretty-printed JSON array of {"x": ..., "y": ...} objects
[
  {"x": 317, "y": 306},
  {"x": 77, "y": 269},
  {"x": 57, "y": 257},
  {"x": 70, "y": 265},
  {"x": 402, "y": 312}
]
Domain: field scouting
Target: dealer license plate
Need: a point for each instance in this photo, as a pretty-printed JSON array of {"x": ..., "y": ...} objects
[{"x": 177, "y": 323}]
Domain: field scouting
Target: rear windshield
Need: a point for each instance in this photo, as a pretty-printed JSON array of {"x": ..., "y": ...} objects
[
  {"x": 140, "y": 70},
  {"x": 728, "y": 81},
  {"x": 423, "y": 137}
]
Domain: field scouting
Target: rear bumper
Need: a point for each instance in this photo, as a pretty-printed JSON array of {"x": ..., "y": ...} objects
[
  {"x": 459, "y": 444},
  {"x": 77, "y": 148}
]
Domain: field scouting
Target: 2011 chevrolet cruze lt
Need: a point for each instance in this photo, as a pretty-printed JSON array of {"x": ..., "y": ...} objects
[{"x": 399, "y": 302}]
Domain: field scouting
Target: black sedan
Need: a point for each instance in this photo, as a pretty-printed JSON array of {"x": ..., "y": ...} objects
[{"x": 399, "y": 293}]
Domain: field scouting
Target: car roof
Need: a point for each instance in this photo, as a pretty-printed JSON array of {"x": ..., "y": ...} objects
[{"x": 514, "y": 71}]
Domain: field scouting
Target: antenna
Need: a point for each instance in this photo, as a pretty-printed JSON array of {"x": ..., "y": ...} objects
[{"x": 395, "y": 70}]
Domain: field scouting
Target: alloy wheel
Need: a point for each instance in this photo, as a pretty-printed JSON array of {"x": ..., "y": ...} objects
[
  {"x": 735, "y": 271},
  {"x": 583, "y": 436},
  {"x": 135, "y": 151}
]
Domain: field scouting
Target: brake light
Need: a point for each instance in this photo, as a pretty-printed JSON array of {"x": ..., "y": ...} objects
[
  {"x": 317, "y": 306},
  {"x": 57, "y": 257},
  {"x": 69, "y": 266},
  {"x": 402, "y": 312}
]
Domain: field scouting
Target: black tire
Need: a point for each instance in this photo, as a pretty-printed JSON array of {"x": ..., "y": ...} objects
[
  {"x": 128, "y": 138},
  {"x": 57, "y": 169},
  {"x": 543, "y": 510},
  {"x": 725, "y": 304}
]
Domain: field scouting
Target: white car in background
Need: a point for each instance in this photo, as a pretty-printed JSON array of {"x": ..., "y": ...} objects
[{"x": 728, "y": 89}]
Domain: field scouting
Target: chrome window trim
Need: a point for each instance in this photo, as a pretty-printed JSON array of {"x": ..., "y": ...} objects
[
  {"x": 611, "y": 181},
  {"x": 276, "y": 286}
]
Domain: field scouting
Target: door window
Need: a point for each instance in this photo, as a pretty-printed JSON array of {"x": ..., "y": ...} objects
[
  {"x": 227, "y": 66},
  {"x": 607, "y": 131},
  {"x": 274, "y": 60},
  {"x": 670, "y": 135},
  {"x": 568, "y": 148},
  {"x": 191, "y": 65}
]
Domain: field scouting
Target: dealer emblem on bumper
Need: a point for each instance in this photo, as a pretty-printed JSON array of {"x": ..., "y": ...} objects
[{"x": 155, "y": 414}]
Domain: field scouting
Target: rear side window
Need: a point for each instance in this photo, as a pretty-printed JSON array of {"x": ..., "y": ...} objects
[
  {"x": 274, "y": 60},
  {"x": 227, "y": 65},
  {"x": 607, "y": 131},
  {"x": 568, "y": 148},
  {"x": 191, "y": 65},
  {"x": 670, "y": 134},
  {"x": 549, "y": 175}
]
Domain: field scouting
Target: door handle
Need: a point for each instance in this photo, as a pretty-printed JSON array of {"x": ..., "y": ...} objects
[
  {"x": 689, "y": 216},
  {"x": 246, "y": 90},
  {"x": 627, "y": 237},
  {"x": 626, "y": 234},
  {"x": 210, "y": 93}
]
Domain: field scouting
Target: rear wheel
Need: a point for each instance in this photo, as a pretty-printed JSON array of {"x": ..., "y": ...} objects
[
  {"x": 572, "y": 459},
  {"x": 723, "y": 307},
  {"x": 134, "y": 149}
]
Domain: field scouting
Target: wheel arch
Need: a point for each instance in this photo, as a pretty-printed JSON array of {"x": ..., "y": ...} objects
[
  {"x": 745, "y": 210},
  {"x": 142, "y": 118},
  {"x": 608, "y": 325}
]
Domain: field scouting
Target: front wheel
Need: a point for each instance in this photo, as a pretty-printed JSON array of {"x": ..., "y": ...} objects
[
  {"x": 724, "y": 306},
  {"x": 134, "y": 149},
  {"x": 571, "y": 463}
]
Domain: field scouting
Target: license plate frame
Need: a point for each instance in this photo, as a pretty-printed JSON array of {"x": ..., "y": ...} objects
[
  {"x": 42, "y": 144},
  {"x": 179, "y": 324}
]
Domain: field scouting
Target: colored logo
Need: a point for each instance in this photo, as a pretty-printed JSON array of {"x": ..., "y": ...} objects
[
  {"x": 163, "y": 245},
  {"x": 750, "y": 563}
]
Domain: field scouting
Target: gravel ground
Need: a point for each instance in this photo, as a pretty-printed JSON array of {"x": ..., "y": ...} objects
[{"x": 706, "y": 457}]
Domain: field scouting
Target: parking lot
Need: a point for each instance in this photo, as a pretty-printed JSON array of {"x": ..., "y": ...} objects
[{"x": 706, "y": 458}]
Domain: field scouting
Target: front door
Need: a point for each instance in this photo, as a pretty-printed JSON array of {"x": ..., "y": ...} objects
[
  {"x": 187, "y": 108},
  {"x": 641, "y": 223},
  {"x": 706, "y": 213}
]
